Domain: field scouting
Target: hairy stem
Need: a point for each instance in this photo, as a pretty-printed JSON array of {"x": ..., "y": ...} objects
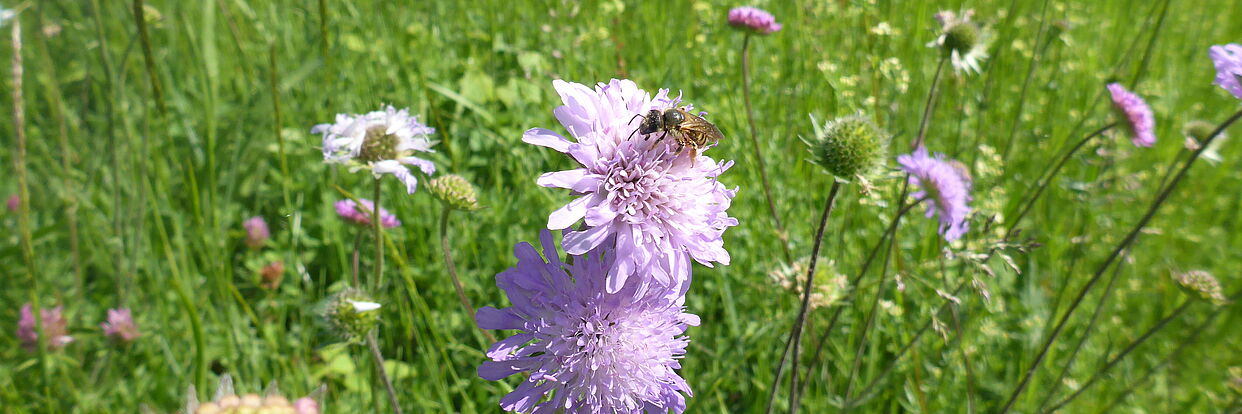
[
  {"x": 754, "y": 142},
  {"x": 379, "y": 236},
  {"x": 373, "y": 345},
  {"x": 795, "y": 333},
  {"x": 452, "y": 269}
]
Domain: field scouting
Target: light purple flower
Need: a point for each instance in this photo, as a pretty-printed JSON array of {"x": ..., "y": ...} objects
[
  {"x": 382, "y": 141},
  {"x": 586, "y": 350},
  {"x": 54, "y": 326},
  {"x": 658, "y": 207},
  {"x": 944, "y": 186},
  {"x": 754, "y": 19},
  {"x": 256, "y": 232},
  {"x": 1139, "y": 122},
  {"x": 348, "y": 210},
  {"x": 13, "y": 203},
  {"x": 1228, "y": 60},
  {"x": 120, "y": 325}
]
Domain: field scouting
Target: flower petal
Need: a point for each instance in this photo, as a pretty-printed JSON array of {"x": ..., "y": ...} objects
[
  {"x": 569, "y": 214},
  {"x": 491, "y": 318},
  {"x": 397, "y": 170},
  {"x": 580, "y": 242},
  {"x": 546, "y": 138},
  {"x": 426, "y": 166},
  {"x": 562, "y": 179}
]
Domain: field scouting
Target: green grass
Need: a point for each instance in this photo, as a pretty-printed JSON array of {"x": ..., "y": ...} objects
[{"x": 157, "y": 199}]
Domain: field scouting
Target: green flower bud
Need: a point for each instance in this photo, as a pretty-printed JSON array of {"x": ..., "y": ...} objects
[
  {"x": 1198, "y": 129},
  {"x": 849, "y": 147},
  {"x": 455, "y": 192}
]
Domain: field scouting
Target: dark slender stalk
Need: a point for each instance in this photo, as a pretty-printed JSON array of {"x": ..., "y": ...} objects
[
  {"x": 870, "y": 321},
  {"x": 754, "y": 142},
  {"x": 1121, "y": 355},
  {"x": 1195, "y": 332},
  {"x": 452, "y": 269},
  {"x": 1151, "y": 45},
  {"x": 796, "y": 332},
  {"x": 1056, "y": 168},
  {"x": 379, "y": 236},
  {"x": 930, "y": 105},
  {"x": 1095, "y": 317},
  {"x": 373, "y": 345},
  {"x": 277, "y": 122},
  {"x": 148, "y": 58},
  {"x": 1030, "y": 74},
  {"x": 1125, "y": 243}
]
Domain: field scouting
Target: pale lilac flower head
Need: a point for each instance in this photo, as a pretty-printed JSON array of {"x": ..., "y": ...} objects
[
  {"x": 753, "y": 19},
  {"x": 945, "y": 188},
  {"x": 120, "y": 325},
  {"x": 382, "y": 141},
  {"x": 659, "y": 207},
  {"x": 962, "y": 40},
  {"x": 1138, "y": 119},
  {"x": 257, "y": 232},
  {"x": 54, "y": 326},
  {"x": 586, "y": 350},
  {"x": 13, "y": 203},
  {"x": 1228, "y": 60},
  {"x": 349, "y": 211}
]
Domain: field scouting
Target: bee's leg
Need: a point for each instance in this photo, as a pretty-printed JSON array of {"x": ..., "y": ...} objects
[{"x": 694, "y": 155}]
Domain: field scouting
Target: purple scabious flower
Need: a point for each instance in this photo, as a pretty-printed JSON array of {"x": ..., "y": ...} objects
[
  {"x": 659, "y": 207},
  {"x": 1139, "y": 122},
  {"x": 257, "y": 232},
  {"x": 54, "y": 326},
  {"x": 586, "y": 350},
  {"x": 1228, "y": 61},
  {"x": 382, "y": 141},
  {"x": 943, "y": 185},
  {"x": 120, "y": 325},
  {"x": 347, "y": 209},
  {"x": 753, "y": 19}
]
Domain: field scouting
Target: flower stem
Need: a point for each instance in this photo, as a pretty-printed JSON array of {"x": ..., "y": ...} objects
[
  {"x": 754, "y": 142},
  {"x": 373, "y": 344},
  {"x": 379, "y": 236},
  {"x": 796, "y": 332},
  {"x": 452, "y": 269},
  {"x": 148, "y": 59},
  {"x": 357, "y": 250},
  {"x": 1056, "y": 168},
  {"x": 1125, "y": 243},
  {"x": 930, "y": 105}
]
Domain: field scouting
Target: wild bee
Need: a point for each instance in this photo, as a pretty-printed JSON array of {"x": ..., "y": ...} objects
[{"x": 688, "y": 130}]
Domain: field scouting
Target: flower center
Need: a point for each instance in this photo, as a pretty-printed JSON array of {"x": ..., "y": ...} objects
[
  {"x": 378, "y": 145},
  {"x": 961, "y": 37},
  {"x": 634, "y": 185}
]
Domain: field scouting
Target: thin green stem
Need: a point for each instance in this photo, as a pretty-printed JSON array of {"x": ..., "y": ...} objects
[
  {"x": 796, "y": 332},
  {"x": 1125, "y": 243},
  {"x": 754, "y": 142},
  {"x": 277, "y": 123},
  {"x": 1056, "y": 168},
  {"x": 930, "y": 105},
  {"x": 379, "y": 236},
  {"x": 452, "y": 269},
  {"x": 148, "y": 58},
  {"x": 870, "y": 321},
  {"x": 1030, "y": 74}
]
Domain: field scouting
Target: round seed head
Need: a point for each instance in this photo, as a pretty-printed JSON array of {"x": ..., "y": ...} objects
[
  {"x": 961, "y": 37},
  {"x": 849, "y": 147},
  {"x": 353, "y": 314},
  {"x": 455, "y": 192}
]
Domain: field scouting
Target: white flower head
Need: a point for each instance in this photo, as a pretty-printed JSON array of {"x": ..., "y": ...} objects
[
  {"x": 382, "y": 141},
  {"x": 6, "y": 15},
  {"x": 963, "y": 40}
]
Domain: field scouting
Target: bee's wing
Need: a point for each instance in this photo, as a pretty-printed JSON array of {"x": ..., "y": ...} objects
[{"x": 699, "y": 130}]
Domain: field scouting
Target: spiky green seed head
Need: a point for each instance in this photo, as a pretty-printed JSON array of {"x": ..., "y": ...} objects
[
  {"x": 353, "y": 314},
  {"x": 849, "y": 147},
  {"x": 455, "y": 192}
]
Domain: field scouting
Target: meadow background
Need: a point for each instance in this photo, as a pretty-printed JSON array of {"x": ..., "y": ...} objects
[{"x": 137, "y": 194}]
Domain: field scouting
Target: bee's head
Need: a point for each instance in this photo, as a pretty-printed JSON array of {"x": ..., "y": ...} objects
[{"x": 673, "y": 117}]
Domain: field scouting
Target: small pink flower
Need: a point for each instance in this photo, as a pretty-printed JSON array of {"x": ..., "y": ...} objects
[
  {"x": 349, "y": 211},
  {"x": 13, "y": 203},
  {"x": 120, "y": 325},
  {"x": 753, "y": 19},
  {"x": 1139, "y": 121},
  {"x": 54, "y": 326},
  {"x": 256, "y": 232},
  {"x": 306, "y": 405}
]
